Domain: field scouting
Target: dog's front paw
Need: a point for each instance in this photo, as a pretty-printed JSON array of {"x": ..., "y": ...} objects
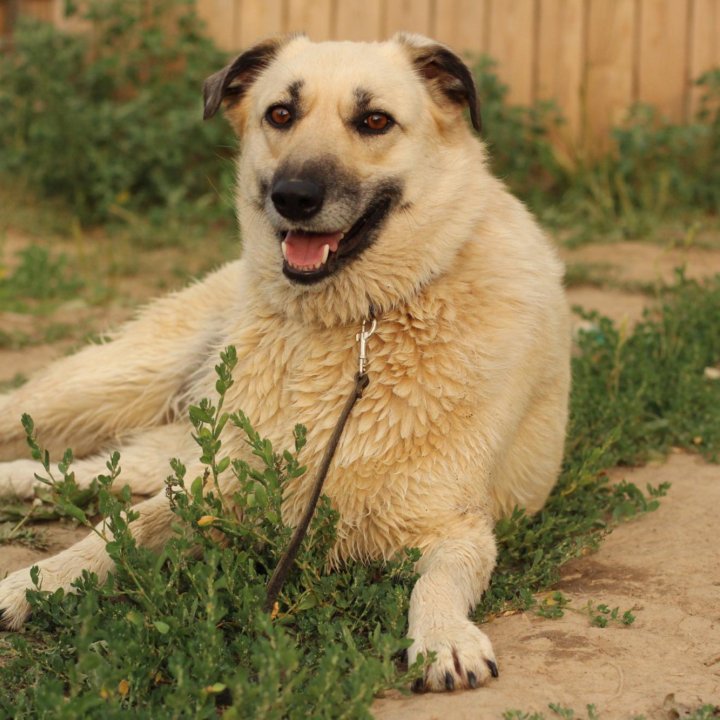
[
  {"x": 464, "y": 657},
  {"x": 14, "y": 608},
  {"x": 18, "y": 478}
]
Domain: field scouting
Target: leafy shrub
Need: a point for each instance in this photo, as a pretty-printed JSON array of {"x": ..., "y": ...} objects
[
  {"x": 518, "y": 138},
  {"x": 38, "y": 276},
  {"x": 170, "y": 636},
  {"x": 110, "y": 120},
  {"x": 655, "y": 170}
]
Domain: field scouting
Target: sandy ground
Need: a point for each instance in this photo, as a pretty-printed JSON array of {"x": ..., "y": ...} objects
[{"x": 664, "y": 567}]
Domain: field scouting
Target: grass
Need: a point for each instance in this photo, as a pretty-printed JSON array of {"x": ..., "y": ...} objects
[{"x": 183, "y": 633}]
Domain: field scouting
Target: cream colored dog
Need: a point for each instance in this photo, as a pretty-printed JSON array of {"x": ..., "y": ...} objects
[{"x": 360, "y": 189}]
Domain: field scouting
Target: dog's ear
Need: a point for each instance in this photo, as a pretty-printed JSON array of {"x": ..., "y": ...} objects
[
  {"x": 233, "y": 81},
  {"x": 444, "y": 72}
]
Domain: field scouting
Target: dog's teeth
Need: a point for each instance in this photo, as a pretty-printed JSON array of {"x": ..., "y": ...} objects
[
  {"x": 283, "y": 244},
  {"x": 326, "y": 252}
]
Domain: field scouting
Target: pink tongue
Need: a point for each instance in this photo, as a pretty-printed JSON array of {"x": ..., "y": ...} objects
[{"x": 306, "y": 249}]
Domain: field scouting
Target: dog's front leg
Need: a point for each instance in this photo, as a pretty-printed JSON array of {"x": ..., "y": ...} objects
[
  {"x": 454, "y": 571},
  {"x": 152, "y": 530}
]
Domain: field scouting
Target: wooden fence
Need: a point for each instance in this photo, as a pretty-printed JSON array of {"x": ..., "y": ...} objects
[{"x": 594, "y": 58}]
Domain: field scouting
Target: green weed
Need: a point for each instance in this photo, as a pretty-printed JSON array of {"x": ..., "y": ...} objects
[
  {"x": 553, "y": 606},
  {"x": 556, "y": 604},
  {"x": 171, "y": 637},
  {"x": 557, "y": 710},
  {"x": 519, "y": 139},
  {"x": 589, "y": 274},
  {"x": 37, "y": 277},
  {"x": 109, "y": 121},
  {"x": 705, "y": 712},
  {"x": 655, "y": 171},
  {"x": 602, "y": 616}
]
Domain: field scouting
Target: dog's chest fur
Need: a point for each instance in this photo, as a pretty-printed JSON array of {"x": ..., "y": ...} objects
[{"x": 402, "y": 436}]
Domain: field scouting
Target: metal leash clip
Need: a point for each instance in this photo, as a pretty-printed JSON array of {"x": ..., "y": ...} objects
[{"x": 362, "y": 337}]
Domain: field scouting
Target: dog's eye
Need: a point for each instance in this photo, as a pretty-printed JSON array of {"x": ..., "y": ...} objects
[
  {"x": 375, "y": 123},
  {"x": 279, "y": 116}
]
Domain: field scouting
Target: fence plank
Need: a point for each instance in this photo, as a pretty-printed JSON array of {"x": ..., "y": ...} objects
[
  {"x": 609, "y": 68},
  {"x": 561, "y": 59},
  {"x": 219, "y": 16},
  {"x": 39, "y": 9},
  {"x": 704, "y": 45},
  {"x": 594, "y": 57},
  {"x": 313, "y": 17},
  {"x": 512, "y": 44},
  {"x": 663, "y": 39},
  {"x": 358, "y": 20},
  {"x": 257, "y": 20},
  {"x": 462, "y": 25},
  {"x": 408, "y": 15}
]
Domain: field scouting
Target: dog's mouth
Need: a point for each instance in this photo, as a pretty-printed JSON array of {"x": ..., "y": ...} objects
[{"x": 311, "y": 256}]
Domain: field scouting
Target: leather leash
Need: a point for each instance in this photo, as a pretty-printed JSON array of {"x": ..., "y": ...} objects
[{"x": 288, "y": 557}]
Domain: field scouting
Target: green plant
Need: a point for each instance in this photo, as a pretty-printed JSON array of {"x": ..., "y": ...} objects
[
  {"x": 601, "y": 615},
  {"x": 558, "y": 711},
  {"x": 554, "y": 606},
  {"x": 519, "y": 139},
  {"x": 110, "y": 120},
  {"x": 172, "y": 637},
  {"x": 38, "y": 276},
  {"x": 655, "y": 170}
]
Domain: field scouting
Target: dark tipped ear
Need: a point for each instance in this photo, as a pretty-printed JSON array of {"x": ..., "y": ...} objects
[
  {"x": 233, "y": 81},
  {"x": 444, "y": 71}
]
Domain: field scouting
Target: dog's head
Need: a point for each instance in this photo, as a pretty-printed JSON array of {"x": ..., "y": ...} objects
[{"x": 353, "y": 157}]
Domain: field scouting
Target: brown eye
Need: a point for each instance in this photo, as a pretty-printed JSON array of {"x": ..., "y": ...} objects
[
  {"x": 279, "y": 116},
  {"x": 376, "y": 123}
]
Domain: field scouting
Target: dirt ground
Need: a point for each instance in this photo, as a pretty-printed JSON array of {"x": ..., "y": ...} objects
[{"x": 664, "y": 567}]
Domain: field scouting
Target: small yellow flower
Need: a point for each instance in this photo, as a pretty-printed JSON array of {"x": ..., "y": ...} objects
[
  {"x": 206, "y": 520},
  {"x": 123, "y": 687}
]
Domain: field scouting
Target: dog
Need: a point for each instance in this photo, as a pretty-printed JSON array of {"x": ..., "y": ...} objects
[{"x": 362, "y": 192}]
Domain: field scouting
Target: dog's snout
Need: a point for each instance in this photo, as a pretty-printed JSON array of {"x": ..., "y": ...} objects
[{"x": 297, "y": 199}]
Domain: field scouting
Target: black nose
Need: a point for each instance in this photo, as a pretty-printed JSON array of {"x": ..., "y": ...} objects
[{"x": 297, "y": 199}]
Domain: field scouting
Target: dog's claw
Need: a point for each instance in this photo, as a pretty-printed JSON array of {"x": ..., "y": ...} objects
[
  {"x": 449, "y": 681},
  {"x": 493, "y": 668},
  {"x": 418, "y": 686},
  {"x": 472, "y": 680}
]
